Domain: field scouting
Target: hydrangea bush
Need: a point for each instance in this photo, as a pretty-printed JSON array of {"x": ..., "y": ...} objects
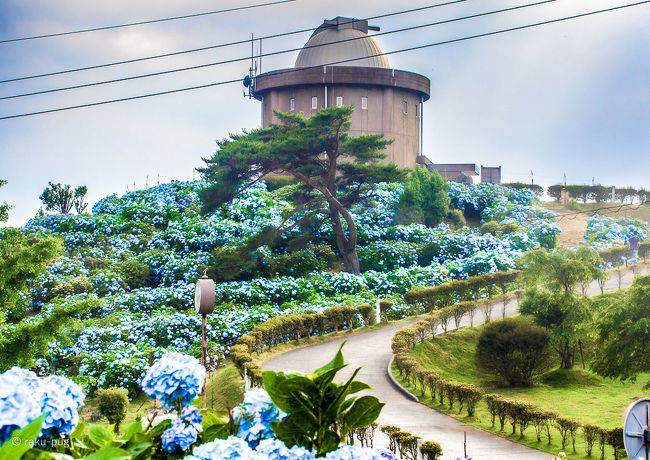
[
  {"x": 604, "y": 232},
  {"x": 144, "y": 314}
]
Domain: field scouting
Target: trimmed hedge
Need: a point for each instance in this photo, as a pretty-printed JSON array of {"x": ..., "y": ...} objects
[
  {"x": 283, "y": 329},
  {"x": 446, "y": 294},
  {"x": 405, "y": 445}
]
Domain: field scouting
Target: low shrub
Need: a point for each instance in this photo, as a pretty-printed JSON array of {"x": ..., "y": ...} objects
[
  {"x": 112, "y": 404},
  {"x": 513, "y": 350},
  {"x": 455, "y": 218},
  {"x": 133, "y": 272},
  {"x": 431, "y": 450}
]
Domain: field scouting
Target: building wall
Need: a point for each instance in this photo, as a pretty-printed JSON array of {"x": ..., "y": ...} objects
[{"x": 384, "y": 113}]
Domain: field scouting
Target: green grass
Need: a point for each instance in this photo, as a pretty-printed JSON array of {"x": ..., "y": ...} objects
[
  {"x": 576, "y": 393},
  {"x": 137, "y": 409},
  {"x": 224, "y": 389}
]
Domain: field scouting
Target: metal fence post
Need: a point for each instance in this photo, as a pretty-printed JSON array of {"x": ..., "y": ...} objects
[{"x": 377, "y": 312}]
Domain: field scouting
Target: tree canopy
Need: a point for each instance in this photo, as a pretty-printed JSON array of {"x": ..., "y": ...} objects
[
  {"x": 4, "y": 207},
  {"x": 22, "y": 258},
  {"x": 333, "y": 169},
  {"x": 623, "y": 334},
  {"x": 61, "y": 198},
  {"x": 560, "y": 270},
  {"x": 565, "y": 316},
  {"x": 425, "y": 199},
  {"x": 23, "y": 330},
  {"x": 551, "y": 298}
]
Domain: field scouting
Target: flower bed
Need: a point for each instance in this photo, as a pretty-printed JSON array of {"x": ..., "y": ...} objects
[
  {"x": 140, "y": 254},
  {"x": 605, "y": 232}
]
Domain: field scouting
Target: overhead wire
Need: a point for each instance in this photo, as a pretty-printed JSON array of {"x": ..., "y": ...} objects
[
  {"x": 403, "y": 50},
  {"x": 222, "y": 45},
  {"x": 275, "y": 53},
  {"x": 150, "y": 21}
]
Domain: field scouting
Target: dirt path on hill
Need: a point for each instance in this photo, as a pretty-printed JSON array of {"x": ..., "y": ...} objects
[
  {"x": 573, "y": 228},
  {"x": 372, "y": 350}
]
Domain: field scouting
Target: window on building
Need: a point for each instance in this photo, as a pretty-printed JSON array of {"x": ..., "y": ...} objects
[
  {"x": 339, "y": 101},
  {"x": 364, "y": 103},
  {"x": 292, "y": 104},
  {"x": 404, "y": 106},
  {"x": 314, "y": 102}
]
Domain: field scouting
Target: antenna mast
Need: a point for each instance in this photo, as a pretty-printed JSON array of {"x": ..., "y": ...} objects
[{"x": 249, "y": 80}]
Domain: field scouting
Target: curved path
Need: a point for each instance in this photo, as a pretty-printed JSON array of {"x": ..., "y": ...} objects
[{"x": 372, "y": 351}]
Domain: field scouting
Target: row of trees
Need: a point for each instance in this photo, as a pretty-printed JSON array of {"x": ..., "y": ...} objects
[{"x": 599, "y": 193}]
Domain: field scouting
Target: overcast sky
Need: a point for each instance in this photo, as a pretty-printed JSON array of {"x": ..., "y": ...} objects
[{"x": 571, "y": 97}]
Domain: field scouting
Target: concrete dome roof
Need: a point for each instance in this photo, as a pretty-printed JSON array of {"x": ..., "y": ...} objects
[{"x": 322, "y": 49}]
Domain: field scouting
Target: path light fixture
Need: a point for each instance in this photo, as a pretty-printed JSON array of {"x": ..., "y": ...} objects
[{"x": 204, "y": 305}]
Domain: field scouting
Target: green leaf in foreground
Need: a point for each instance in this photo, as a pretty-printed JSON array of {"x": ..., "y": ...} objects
[
  {"x": 317, "y": 406},
  {"x": 21, "y": 440}
]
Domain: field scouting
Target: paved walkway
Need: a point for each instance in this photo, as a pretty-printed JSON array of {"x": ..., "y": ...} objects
[{"x": 372, "y": 351}]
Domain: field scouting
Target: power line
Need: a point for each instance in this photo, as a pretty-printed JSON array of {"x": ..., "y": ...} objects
[
  {"x": 151, "y": 21},
  {"x": 273, "y": 53},
  {"x": 222, "y": 45},
  {"x": 403, "y": 50}
]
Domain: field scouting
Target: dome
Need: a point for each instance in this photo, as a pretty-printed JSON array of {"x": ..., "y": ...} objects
[{"x": 322, "y": 49}]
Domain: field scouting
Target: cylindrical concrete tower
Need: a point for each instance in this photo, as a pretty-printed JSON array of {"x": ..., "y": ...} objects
[{"x": 342, "y": 65}]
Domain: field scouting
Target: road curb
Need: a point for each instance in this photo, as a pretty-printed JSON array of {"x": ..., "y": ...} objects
[{"x": 397, "y": 385}]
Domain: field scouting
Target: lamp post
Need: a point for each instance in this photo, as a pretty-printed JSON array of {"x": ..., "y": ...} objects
[{"x": 204, "y": 305}]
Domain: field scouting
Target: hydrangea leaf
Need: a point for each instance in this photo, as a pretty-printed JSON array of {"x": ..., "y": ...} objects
[
  {"x": 100, "y": 436},
  {"x": 110, "y": 453},
  {"x": 21, "y": 440},
  {"x": 363, "y": 412},
  {"x": 217, "y": 429},
  {"x": 132, "y": 430},
  {"x": 336, "y": 362}
]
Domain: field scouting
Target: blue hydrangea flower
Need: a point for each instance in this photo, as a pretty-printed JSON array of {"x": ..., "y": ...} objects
[
  {"x": 18, "y": 407},
  {"x": 255, "y": 415},
  {"x": 179, "y": 435},
  {"x": 223, "y": 449},
  {"x": 175, "y": 378},
  {"x": 24, "y": 397},
  {"x": 192, "y": 416},
  {"x": 274, "y": 449},
  {"x": 68, "y": 387},
  {"x": 62, "y": 416}
]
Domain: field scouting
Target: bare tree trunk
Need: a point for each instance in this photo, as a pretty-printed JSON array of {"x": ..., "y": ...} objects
[{"x": 346, "y": 246}]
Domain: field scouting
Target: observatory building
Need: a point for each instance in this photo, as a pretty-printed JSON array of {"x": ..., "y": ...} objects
[{"x": 342, "y": 65}]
